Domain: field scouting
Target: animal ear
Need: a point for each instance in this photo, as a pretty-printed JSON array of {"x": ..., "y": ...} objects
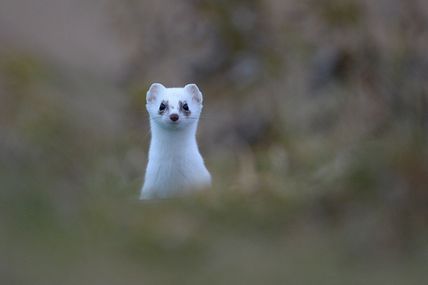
[
  {"x": 194, "y": 91},
  {"x": 154, "y": 91}
]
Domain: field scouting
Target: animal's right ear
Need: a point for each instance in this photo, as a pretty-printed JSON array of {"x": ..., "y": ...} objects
[
  {"x": 154, "y": 91},
  {"x": 194, "y": 91}
]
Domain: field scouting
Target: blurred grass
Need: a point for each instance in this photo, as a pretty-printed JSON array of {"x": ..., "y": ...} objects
[
  {"x": 316, "y": 136},
  {"x": 215, "y": 238}
]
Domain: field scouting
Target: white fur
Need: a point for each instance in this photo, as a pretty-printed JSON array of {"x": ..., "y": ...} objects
[{"x": 175, "y": 164}]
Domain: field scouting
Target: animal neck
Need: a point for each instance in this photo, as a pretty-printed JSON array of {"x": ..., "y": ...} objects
[{"x": 172, "y": 142}]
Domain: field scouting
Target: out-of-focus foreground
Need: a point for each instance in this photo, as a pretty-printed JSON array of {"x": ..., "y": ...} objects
[{"x": 314, "y": 127}]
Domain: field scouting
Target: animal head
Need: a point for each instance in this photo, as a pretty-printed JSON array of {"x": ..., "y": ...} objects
[{"x": 174, "y": 107}]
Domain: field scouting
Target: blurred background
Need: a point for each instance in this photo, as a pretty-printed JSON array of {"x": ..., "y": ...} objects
[{"x": 314, "y": 128}]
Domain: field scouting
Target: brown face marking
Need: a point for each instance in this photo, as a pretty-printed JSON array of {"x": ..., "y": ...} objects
[
  {"x": 163, "y": 107},
  {"x": 185, "y": 112}
]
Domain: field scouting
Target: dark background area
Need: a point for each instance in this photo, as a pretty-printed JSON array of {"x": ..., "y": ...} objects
[{"x": 314, "y": 128}]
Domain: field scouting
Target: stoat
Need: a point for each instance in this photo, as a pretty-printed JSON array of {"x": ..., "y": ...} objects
[{"x": 174, "y": 164}]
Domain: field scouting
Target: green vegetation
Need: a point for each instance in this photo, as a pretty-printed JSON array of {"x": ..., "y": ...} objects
[{"x": 315, "y": 129}]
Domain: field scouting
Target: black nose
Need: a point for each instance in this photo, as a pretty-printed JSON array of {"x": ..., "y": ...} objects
[{"x": 173, "y": 117}]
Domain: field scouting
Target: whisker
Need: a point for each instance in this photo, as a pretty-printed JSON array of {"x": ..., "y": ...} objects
[
  {"x": 196, "y": 118},
  {"x": 147, "y": 135},
  {"x": 158, "y": 118}
]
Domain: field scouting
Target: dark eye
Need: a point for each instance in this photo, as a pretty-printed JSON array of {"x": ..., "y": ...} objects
[
  {"x": 185, "y": 107},
  {"x": 162, "y": 107}
]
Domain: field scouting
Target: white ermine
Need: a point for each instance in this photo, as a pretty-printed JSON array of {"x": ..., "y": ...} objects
[{"x": 175, "y": 164}]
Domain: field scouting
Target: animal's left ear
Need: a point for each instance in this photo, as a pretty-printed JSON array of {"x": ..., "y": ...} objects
[{"x": 194, "y": 91}]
